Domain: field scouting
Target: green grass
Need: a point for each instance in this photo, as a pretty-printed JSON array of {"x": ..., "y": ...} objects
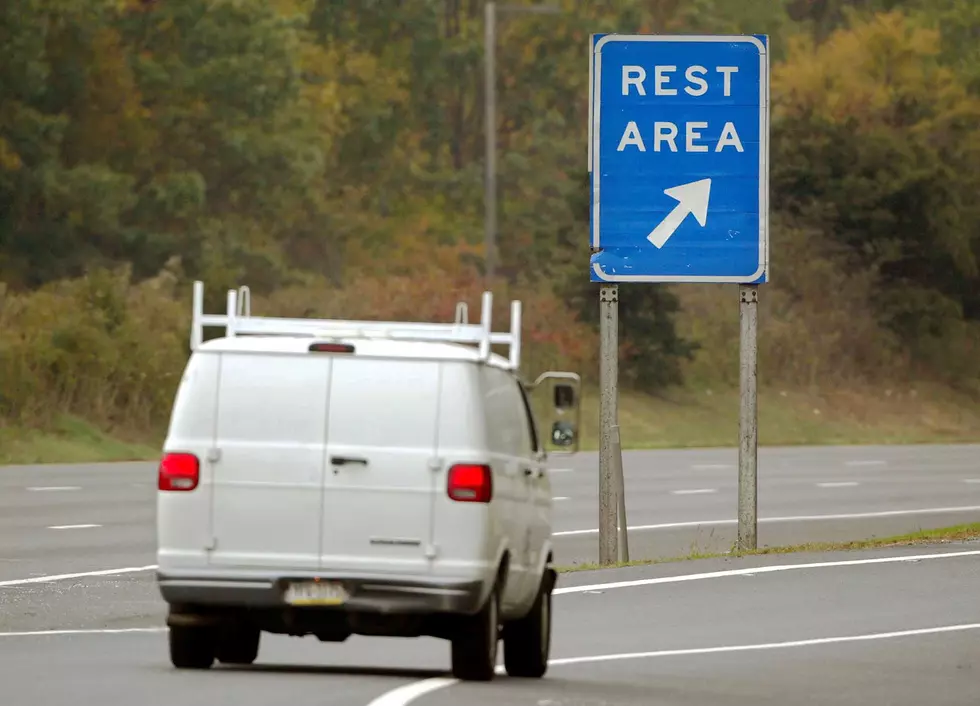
[
  {"x": 956, "y": 533},
  {"x": 685, "y": 418},
  {"x": 71, "y": 440},
  {"x": 709, "y": 418}
]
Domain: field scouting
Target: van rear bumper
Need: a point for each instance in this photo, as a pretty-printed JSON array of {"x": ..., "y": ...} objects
[{"x": 373, "y": 595}]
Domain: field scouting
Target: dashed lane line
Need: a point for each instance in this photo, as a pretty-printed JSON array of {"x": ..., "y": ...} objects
[{"x": 796, "y": 518}]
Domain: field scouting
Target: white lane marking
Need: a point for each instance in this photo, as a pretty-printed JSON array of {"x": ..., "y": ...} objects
[
  {"x": 51, "y": 488},
  {"x": 106, "y": 631},
  {"x": 562, "y": 470},
  {"x": 68, "y": 527},
  {"x": 797, "y": 518},
  {"x": 865, "y": 463},
  {"x": 405, "y": 695},
  {"x": 560, "y": 497},
  {"x": 711, "y": 466},
  {"x": 79, "y": 575},
  {"x": 764, "y": 570},
  {"x": 971, "y": 480},
  {"x": 571, "y": 589},
  {"x": 768, "y": 645},
  {"x": 838, "y": 484},
  {"x": 694, "y": 491}
]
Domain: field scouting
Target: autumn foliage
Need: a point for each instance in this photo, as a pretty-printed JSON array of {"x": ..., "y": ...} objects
[{"x": 330, "y": 155}]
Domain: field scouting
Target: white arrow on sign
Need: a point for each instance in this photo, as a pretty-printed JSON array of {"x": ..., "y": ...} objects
[{"x": 691, "y": 199}]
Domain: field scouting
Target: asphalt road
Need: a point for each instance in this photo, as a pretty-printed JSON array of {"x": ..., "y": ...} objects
[
  {"x": 45, "y": 513},
  {"x": 723, "y": 632},
  {"x": 679, "y": 501},
  {"x": 64, "y": 519}
]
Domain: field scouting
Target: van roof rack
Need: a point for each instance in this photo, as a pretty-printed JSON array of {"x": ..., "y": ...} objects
[{"x": 238, "y": 319}]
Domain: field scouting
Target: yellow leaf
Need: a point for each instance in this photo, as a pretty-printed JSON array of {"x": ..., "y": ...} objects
[{"x": 9, "y": 159}]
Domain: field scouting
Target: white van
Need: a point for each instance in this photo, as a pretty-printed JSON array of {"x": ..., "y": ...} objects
[{"x": 332, "y": 478}]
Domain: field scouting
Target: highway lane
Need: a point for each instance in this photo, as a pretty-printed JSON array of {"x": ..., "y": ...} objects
[
  {"x": 793, "y": 481},
  {"x": 106, "y": 512},
  {"x": 119, "y": 498},
  {"x": 728, "y": 632},
  {"x": 679, "y": 501}
]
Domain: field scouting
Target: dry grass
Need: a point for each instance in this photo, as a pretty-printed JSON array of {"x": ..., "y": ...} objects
[
  {"x": 106, "y": 354},
  {"x": 70, "y": 440},
  {"x": 869, "y": 415},
  {"x": 688, "y": 419},
  {"x": 957, "y": 533}
]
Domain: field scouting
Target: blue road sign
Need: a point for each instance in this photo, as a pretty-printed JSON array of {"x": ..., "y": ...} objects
[{"x": 679, "y": 157}]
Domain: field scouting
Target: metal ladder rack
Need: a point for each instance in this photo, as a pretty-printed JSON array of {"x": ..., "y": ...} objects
[{"x": 238, "y": 319}]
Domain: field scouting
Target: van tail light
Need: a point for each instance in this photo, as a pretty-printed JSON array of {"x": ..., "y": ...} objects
[
  {"x": 470, "y": 483},
  {"x": 178, "y": 471},
  {"x": 331, "y": 348}
]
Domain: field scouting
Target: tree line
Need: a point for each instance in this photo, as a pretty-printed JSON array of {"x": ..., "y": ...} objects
[{"x": 330, "y": 155}]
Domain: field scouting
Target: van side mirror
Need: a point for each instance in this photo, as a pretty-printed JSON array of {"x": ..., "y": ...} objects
[
  {"x": 564, "y": 413},
  {"x": 564, "y": 396},
  {"x": 563, "y": 434}
]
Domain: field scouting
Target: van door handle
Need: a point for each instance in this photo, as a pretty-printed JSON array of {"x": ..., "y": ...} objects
[{"x": 344, "y": 460}]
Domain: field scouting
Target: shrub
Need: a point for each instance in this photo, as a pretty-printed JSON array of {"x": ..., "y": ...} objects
[
  {"x": 99, "y": 346},
  {"x": 112, "y": 350}
]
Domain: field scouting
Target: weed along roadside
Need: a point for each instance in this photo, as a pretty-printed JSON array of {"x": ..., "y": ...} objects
[
  {"x": 684, "y": 418},
  {"x": 70, "y": 439},
  {"x": 943, "y": 535}
]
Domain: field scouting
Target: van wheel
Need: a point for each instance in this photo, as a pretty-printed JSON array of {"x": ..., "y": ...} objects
[
  {"x": 474, "y": 646},
  {"x": 238, "y": 643},
  {"x": 192, "y": 647},
  {"x": 527, "y": 642}
]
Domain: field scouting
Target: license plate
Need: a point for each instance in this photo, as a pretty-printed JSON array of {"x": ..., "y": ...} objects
[{"x": 315, "y": 593}]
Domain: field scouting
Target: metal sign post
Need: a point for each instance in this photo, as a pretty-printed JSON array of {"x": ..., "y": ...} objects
[
  {"x": 748, "y": 421},
  {"x": 679, "y": 174},
  {"x": 623, "y": 537},
  {"x": 608, "y": 414}
]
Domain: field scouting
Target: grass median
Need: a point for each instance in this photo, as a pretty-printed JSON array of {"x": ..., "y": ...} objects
[
  {"x": 70, "y": 440},
  {"x": 706, "y": 417},
  {"x": 956, "y": 533},
  {"x": 683, "y": 418}
]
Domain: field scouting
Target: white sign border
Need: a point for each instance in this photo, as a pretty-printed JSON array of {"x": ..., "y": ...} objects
[{"x": 596, "y": 100}]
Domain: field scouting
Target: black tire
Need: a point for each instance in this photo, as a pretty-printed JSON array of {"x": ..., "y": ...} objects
[
  {"x": 474, "y": 647},
  {"x": 238, "y": 643},
  {"x": 527, "y": 642},
  {"x": 192, "y": 647}
]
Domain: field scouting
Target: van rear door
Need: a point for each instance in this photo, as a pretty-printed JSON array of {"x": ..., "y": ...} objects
[
  {"x": 379, "y": 480},
  {"x": 268, "y": 477}
]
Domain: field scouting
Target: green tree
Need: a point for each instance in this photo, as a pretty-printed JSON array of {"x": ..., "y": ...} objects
[
  {"x": 957, "y": 21},
  {"x": 874, "y": 141},
  {"x": 57, "y": 213}
]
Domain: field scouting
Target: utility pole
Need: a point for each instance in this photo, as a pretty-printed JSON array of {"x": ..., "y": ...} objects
[
  {"x": 490, "y": 10},
  {"x": 490, "y": 132}
]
